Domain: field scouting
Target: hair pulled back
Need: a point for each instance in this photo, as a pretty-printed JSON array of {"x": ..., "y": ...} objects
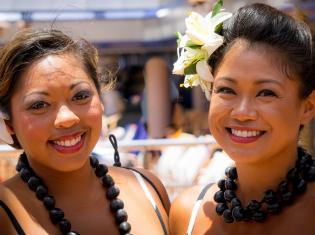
[{"x": 260, "y": 24}]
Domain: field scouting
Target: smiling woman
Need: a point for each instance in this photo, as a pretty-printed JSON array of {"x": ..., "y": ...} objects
[
  {"x": 51, "y": 108},
  {"x": 262, "y": 94}
]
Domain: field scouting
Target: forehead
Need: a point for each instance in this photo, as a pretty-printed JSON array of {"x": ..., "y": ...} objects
[
  {"x": 252, "y": 60},
  {"x": 51, "y": 68}
]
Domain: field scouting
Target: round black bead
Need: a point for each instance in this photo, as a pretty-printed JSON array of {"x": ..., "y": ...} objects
[
  {"x": 220, "y": 208},
  {"x": 121, "y": 216},
  {"x": 107, "y": 181},
  {"x": 274, "y": 208},
  {"x": 23, "y": 158},
  {"x": 124, "y": 228},
  {"x": 49, "y": 202},
  {"x": 20, "y": 165},
  {"x": 94, "y": 162},
  {"x": 283, "y": 187},
  {"x": 227, "y": 216},
  {"x": 235, "y": 202},
  {"x": 116, "y": 204},
  {"x": 26, "y": 174},
  {"x": 229, "y": 195},
  {"x": 247, "y": 214},
  {"x": 311, "y": 174},
  {"x": 287, "y": 198},
  {"x": 219, "y": 196},
  {"x": 301, "y": 152},
  {"x": 270, "y": 197},
  {"x": 253, "y": 205},
  {"x": 293, "y": 175},
  {"x": 56, "y": 215},
  {"x": 65, "y": 226},
  {"x": 305, "y": 160},
  {"x": 300, "y": 186},
  {"x": 73, "y": 233},
  {"x": 259, "y": 216},
  {"x": 238, "y": 213},
  {"x": 41, "y": 192},
  {"x": 231, "y": 172},
  {"x": 101, "y": 170},
  {"x": 33, "y": 182},
  {"x": 112, "y": 192},
  {"x": 221, "y": 184},
  {"x": 230, "y": 184}
]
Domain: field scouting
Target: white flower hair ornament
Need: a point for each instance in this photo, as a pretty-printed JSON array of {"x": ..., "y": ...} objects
[
  {"x": 4, "y": 134},
  {"x": 197, "y": 45}
]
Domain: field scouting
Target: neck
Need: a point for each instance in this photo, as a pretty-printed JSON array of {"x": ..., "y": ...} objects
[
  {"x": 62, "y": 183},
  {"x": 254, "y": 179}
]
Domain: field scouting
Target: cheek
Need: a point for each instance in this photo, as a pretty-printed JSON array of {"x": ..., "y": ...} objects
[
  {"x": 29, "y": 130},
  {"x": 212, "y": 118},
  {"x": 217, "y": 110},
  {"x": 95, "y": 112}
]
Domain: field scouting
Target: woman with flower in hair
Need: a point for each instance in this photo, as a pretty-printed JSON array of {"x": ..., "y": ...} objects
[
  {"x": 260, "y": 80},
  {"x": 51, "y": 108}
]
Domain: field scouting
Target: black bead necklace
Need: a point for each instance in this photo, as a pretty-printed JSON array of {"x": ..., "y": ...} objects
[
  {"x": 56, "y": 215},
  {"x": 231, "y": 209}
]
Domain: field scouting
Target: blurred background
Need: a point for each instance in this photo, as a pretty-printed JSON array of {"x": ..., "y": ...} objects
[{"x": 159, "y": 125}]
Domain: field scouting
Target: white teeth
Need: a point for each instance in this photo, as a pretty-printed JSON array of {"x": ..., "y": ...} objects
[
  {"x": 242, "y": 133},
  {"x": 68, "y": 143}
]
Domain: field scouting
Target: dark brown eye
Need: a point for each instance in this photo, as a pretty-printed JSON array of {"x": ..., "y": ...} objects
[
  {"x": 224, "y": 90},
  {"x": 39, "y": 105},
  {"x": 82, "y": 95},
  {"x": 266, "y": 93}
]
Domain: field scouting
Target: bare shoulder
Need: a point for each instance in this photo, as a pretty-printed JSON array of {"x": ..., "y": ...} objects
[
  {"x": 181, "y": 210},
  {"x": 6, "y": 198},
  {"x": 158, "y": 186},
  {"x": 151, "y": 180}
]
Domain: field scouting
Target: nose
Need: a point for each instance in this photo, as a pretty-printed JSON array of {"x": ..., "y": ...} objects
[
  {"x": 65, "y": 117},
  {"x": 244, "y": 110}
]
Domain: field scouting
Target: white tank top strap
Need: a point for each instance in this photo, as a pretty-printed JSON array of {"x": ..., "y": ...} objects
[
  {"x": 150, "y": 197},
  {"x": 145, "y": 189},
  {"x": 195, "y": 209}
]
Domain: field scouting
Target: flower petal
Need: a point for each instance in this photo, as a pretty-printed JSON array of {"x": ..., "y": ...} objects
[
  {"x": 217, "y": 19},
  {"x": 183, "y": 41},
  {"x": 206, "y": 87},
  {"x": 212, "y": 44},
  {"x": 191, "y": 80},
  {"x": 204, "y": 71}
]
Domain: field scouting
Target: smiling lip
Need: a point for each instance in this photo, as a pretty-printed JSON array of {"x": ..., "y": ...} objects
[
  {"x": 244, "y": 135},
  {"x": 69, "y": 144}
]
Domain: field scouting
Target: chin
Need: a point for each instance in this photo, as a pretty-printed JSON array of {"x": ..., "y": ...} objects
[{"x": 242, "y": 155}]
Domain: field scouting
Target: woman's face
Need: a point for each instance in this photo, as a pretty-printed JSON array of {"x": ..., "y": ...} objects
[
  {"x": 57, "y": 113},
  {"x": 255, "y": 111}
]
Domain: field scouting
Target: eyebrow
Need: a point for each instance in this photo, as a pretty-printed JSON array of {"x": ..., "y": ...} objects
[
  {"x": 77, "y": 83},
  {"x": 258, "y": 82},
  {"x": 45, "y": 93}
]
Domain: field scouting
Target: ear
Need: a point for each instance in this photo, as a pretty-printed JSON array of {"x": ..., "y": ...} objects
[{"x": 308, "y": 111}]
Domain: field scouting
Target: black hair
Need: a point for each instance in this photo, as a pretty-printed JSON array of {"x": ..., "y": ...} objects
[{"x": 260, "y": 24}]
